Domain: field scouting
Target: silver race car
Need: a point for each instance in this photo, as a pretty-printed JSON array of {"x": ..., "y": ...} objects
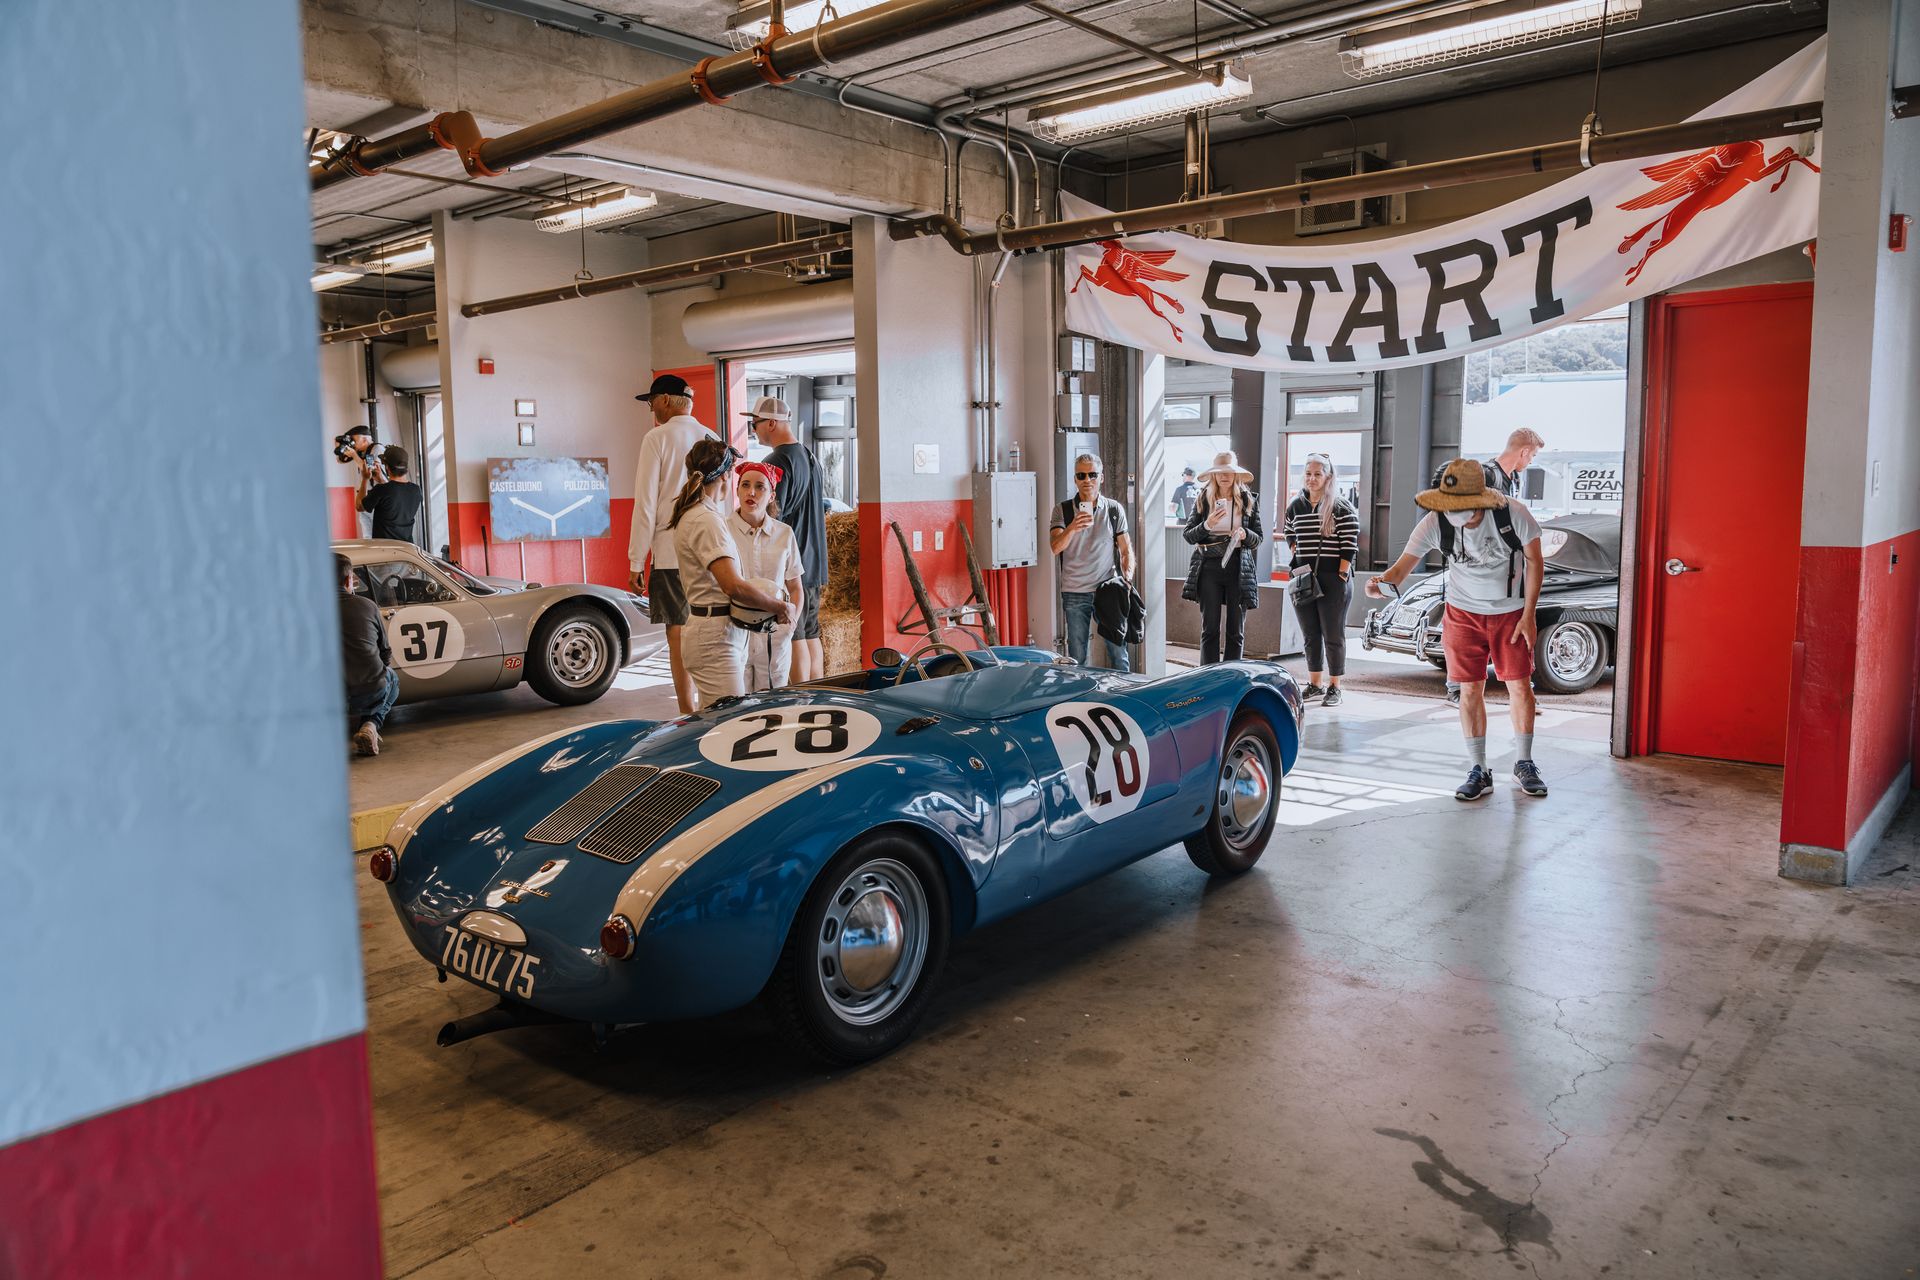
[{"x": 454, "y": 633}]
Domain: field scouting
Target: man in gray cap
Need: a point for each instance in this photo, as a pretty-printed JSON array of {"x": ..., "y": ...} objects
[
  {"x": 657, "y": 478},
  {"x": 802, "y": 506}
]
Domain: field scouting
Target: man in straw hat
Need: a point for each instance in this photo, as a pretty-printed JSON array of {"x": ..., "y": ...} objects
[{"x": 1494, "y": 569}]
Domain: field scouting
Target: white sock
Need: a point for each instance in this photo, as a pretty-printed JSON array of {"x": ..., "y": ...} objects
[
  {"x": 1523, "y": 743},
  {"x": 1477, "y": 752}
]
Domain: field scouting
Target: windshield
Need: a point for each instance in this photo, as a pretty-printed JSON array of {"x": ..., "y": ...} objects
[{"x": 461, "y": 578}]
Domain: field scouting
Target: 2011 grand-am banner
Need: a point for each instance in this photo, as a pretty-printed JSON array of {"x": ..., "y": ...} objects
[{"x": 1603, "y": 237}]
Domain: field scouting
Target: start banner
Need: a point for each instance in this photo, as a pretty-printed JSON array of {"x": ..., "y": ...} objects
[{"x": 1611, "y": 234}]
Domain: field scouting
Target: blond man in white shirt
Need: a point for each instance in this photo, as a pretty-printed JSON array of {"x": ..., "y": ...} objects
[
  {"x": 713, "y": 648},
  {"x": 657, "y": 478},
  {"x": 768, "y": 553}
]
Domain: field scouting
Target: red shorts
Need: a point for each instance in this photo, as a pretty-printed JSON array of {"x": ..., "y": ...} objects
[{"x": 1472, "y": 640}]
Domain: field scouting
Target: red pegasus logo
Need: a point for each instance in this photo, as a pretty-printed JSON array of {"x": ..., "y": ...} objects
[
  {"x": 1126, "y": 271},
  {"x": 1699, "y": 182}
]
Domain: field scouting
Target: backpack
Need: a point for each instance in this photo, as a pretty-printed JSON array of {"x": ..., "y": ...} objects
[{"x": 1503, "y": 525}]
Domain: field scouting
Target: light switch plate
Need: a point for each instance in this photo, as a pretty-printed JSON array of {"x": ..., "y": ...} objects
[
  {"x": 939, "y": 539},
  {"x": 916, "y": 539}
]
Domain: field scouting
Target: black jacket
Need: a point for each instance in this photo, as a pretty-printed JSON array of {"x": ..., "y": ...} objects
[
  {"x": 1119, "y": 614},
  {"x": 1207, "y": 545}
]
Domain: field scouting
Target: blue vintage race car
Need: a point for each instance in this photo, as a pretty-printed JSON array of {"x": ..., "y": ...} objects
[{"x": 824, "y": 844}]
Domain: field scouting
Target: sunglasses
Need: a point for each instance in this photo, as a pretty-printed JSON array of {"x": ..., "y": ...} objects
[{"x": 1086, "y": 475}]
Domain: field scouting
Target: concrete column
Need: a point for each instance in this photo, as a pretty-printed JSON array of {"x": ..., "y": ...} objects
[
  {"x": 1851, "y": 725},
  {"x": 1149, "y": 540},
  {"x": 185, "y": 1043}
]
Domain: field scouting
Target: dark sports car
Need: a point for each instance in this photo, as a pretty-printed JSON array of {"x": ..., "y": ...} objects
[{"x": 1579, "y": 609}]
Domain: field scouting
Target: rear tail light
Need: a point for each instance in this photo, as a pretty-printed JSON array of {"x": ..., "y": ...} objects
[
  {"x": 616, "y": 938},
  {"x": 381, "y": 863}
]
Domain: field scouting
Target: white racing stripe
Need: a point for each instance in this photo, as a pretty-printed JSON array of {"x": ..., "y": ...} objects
[{"x": 656, "y": 875}]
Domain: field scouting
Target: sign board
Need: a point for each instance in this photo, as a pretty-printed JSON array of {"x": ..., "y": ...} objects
[
  {"x": 548, "y": 499},
  {"x": 1598, "y": 484},
  {"x": 1603, "y": 237}
]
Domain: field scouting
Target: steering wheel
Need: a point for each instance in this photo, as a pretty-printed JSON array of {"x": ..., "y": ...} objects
[
  {"x": 931, "y": 646},
  {"x": 394, "y": 585}
]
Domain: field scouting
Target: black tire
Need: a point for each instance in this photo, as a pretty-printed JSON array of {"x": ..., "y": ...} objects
[
  {"x": 892, "y": 879},
  {"x": 573, "y": 656},
  {"x": 1438, "y": 664},
  {"x": 1570, "y": 656},
  {"x": 1235, "y": 836}
]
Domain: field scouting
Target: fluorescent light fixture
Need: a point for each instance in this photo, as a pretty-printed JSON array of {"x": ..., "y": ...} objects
[
  {"x": 1475, "y": 29},
  {"x": 748, "y": 26},
  {"x": 324, "y": 280},
  {"x": 613, "y": 206},
  {"x": 1166, "y": 96},
  {"x": 402, "y": 261}
]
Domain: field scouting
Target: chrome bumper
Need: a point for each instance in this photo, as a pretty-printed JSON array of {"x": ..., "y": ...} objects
[{"x": 1422, "y": 643}]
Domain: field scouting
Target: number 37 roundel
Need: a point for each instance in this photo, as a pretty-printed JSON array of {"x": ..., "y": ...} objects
[{"x": 1106, "y": 755}]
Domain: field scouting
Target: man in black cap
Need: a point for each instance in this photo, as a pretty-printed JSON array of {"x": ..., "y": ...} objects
[{"x": 657, "y": 478}]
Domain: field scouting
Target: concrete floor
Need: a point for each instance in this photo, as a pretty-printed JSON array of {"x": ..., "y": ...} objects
[{"x": 1589, "y": 1035}]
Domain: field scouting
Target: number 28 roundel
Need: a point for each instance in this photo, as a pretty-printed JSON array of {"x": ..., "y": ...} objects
[
  {"x": 1106, "y": 755},
  {"x": 786, "y": 739}
]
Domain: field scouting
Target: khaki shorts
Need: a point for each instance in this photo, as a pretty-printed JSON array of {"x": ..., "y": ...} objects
[{"x": 666, "y": 598}]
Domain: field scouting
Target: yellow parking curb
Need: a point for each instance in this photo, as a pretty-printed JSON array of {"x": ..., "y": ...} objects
[{"x": 370, "y": 826}]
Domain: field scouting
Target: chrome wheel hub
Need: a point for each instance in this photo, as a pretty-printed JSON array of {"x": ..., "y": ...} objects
[
  {"x": 577, "y": 654},
  {"x": 873, "y": 942},
  {"x": 1246, "y": 791},
  {"x": 1572, "y": 652}
]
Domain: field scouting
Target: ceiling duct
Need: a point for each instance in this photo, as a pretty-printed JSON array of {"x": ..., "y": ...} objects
[
  {"x": 800, "y": 316},
  {"x": 415, "y": 368}
]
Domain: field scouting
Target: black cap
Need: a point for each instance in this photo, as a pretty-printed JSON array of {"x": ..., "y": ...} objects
[
  {"x": 667, "y": 384},
  {"x": 360, "y": 429}
]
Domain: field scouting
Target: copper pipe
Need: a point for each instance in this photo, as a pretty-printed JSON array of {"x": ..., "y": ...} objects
[
  {"x": 1633, "y": 144},
  {"x": 379, "y": 328},
  {"x": 772, "y": 61}
]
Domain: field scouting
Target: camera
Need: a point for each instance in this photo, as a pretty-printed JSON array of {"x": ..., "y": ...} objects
[{"x": 343, "y": 450}]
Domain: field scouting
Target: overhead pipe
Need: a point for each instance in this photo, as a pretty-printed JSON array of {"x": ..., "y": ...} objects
[
  {"x": 776, "y": 60},
  {"x": 738, "y": 260},
  {"x": 1211, "y": 76},
  {"x": 1519, "y": 162}
]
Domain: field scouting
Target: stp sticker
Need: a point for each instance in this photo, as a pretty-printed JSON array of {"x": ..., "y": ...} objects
[
  {"x": 426, "y": 640},
  {"x": 1106, "y": 755},
  {"x": 790, "y": 738},
  {"x": 514, "y": 661}
]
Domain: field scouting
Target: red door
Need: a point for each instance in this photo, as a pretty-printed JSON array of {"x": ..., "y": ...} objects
[{"x": 1719, "y": 552}]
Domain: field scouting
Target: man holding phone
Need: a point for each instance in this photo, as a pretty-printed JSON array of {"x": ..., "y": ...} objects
[{"x": 1089, "y": 535}]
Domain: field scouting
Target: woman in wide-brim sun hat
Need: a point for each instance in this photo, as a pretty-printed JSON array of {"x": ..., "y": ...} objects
[{"x": 1224, "y": 529}]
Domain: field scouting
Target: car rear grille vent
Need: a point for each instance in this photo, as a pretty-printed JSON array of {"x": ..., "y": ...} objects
[
  {"x": 643, "y": 820},
  {"x": 564, "y": 825}
]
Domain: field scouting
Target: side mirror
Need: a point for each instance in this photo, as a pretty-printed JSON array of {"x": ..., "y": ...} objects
[{"x": 886, "y": 656}]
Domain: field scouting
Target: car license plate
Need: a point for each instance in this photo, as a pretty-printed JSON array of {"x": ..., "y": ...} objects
[{"x": 506, "y": 970}]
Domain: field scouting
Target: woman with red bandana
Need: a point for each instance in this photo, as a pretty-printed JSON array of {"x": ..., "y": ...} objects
[{"x": 771, "y": 559}]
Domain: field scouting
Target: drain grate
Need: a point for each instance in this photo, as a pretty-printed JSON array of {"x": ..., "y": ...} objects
[
  {"x": 564, "y": 825},
  {"x": 643, "y": 820}
]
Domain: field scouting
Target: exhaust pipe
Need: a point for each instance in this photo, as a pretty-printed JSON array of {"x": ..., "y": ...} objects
[{"x": 502, "y": 1017}]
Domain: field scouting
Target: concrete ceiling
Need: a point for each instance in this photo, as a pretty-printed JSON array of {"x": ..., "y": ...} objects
[{"x": 1295, "y": 82}]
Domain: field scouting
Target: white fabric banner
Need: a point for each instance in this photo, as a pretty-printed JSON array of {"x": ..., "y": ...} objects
[{"x": 1603, "y": 237}]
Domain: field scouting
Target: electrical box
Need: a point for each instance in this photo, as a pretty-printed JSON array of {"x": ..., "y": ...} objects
[{"x": 1006, "y": 518}]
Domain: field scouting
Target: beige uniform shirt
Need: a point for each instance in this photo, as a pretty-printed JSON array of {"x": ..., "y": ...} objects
[
  {"x": 702, "y": 537},
  {"x": 767, "y": 552}
]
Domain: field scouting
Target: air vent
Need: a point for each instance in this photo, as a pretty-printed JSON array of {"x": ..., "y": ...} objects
[
  {"x": 564, "y": 825},
  {"x": 1346, "y": 215},
  {"x": 643, "y": 820}
]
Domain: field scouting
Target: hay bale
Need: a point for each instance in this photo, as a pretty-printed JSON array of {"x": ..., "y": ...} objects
[
  {"x": 843, "y": 564},
  {"x": 840, "y": 602}
]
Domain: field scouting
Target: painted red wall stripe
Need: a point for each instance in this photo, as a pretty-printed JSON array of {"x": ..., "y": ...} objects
[
  {"x": 267, "y": 1171},
  {"x": 342, "y": 513}
]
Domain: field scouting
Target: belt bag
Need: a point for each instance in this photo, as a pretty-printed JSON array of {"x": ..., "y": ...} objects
[{"x": 1305, "y": 588}]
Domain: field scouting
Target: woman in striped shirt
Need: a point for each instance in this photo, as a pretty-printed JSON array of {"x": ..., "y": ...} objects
[{"x": 1323, "y": 536}]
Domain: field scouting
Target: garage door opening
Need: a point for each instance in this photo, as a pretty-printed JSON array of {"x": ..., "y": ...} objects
[{"x": 818, "y": 389}]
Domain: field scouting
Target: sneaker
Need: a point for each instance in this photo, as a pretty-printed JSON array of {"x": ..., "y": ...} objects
[
  {"x": 1453, "y": 695},
  {"x": 1333, "y": 697},
  {"x": 1313, "y": 691},
  {"x": 366, "y": 740},
  {"x": 1527, "y": 774},
  {"x": 1479, "y": 784}
]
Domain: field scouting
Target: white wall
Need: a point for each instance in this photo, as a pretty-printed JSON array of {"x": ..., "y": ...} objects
[
  {"x": 581, "y": 362},
  {"x": 1866, "y": 297},
  {"x": 173, "y": 819},
  {"x": 670, "y": 347},
  {"x": 342, "y": 383}
]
